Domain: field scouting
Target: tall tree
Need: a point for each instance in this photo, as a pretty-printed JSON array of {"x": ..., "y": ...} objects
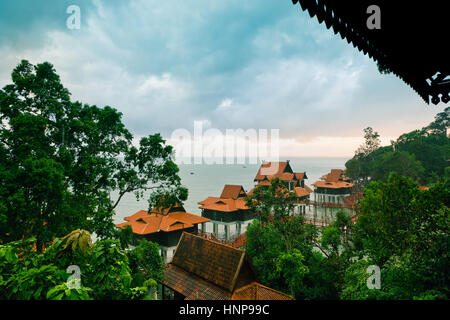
[
  {"x": 66, "y": 165},
  {"x": 359, "y": 168}
]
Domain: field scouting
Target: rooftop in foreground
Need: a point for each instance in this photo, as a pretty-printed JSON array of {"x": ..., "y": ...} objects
[{"x": 202, "y": 269}]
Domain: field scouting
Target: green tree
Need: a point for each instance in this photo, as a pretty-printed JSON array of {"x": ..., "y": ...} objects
[
  {"x": 277, "y": 238},
  {"x": 145, "y": 262},
  {"x": 290, "y": 266},
  {"x": 420, "y": 154},
  {"x": 405, "y": 231},
  {"x": 66, "y": 166},
  {"x": 359, "y": 167},
  {"x": 401, "y": 162}
]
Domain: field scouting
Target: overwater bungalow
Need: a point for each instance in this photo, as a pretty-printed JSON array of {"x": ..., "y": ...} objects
[
  {"x": 228, "y": 213},
  {"x": 164, "y": 226},
  {"x": 294, "y": 181},
  {"x": 333, "y": 192}
]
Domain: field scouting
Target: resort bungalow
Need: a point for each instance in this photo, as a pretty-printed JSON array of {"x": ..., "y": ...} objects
[
  {"x": 333, "y": 192},
  {"x": 163, "y": 226},
  {"x": 282, "y": 170},
  {"x": 227, "y": 211},
  {"x": 202, "y": 269},
  {"x": 294, "y": 181}
]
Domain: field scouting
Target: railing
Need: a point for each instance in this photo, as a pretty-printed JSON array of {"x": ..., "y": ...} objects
[
  {"x": 319, "y": 223},
  {"x": 236, "y": 241},
  {"x": 329, "y": 204}
]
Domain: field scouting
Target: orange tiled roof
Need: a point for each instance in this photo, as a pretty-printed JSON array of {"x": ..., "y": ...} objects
[
  {"x": 286, "y": 176},
  {"x": 301, "y": 192},
  {"x": 231, "y": 199},
  {"x": 256, "y": 291},
  {"x": 333, "y": 185},
  {"x": 233, "y": 191},
  {"x": 281, "y": 169},
  {"x": 335, "y": 175},
  {"x": 421, "y": 188},
  {"x": 224, "y": 205},
  {"x": 144, "y": 223},
  {"x": 335, "y": 179},
  {"x": 271, "y": 169}
]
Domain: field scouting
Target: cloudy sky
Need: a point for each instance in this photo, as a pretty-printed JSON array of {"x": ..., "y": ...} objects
[{"x": 232, "y": 64}]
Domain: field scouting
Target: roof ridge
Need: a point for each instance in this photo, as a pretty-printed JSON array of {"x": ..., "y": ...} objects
[{"x": 212, "y": 241}]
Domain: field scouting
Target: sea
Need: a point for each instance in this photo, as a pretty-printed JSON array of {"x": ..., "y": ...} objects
[{"x": 207, "y": 180}]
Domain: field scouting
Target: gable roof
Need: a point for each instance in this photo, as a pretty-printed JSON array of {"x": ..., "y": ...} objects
[
  {"x": 301, "y": 192},
  {"x": 232, "y": 199},
  {"x": 277, "y": 169},
  {"x": 334, "y": 175},
  {"x": 223, "y": 205},
  {"x": 231, "y": 191},
  {"x": 202, "y": 269},
  {"x": 272, "y": 168},
  {"x": 143, "y": 223},
  {"x": 335, "y": 179},
  {"x": 209, "y": 260}
]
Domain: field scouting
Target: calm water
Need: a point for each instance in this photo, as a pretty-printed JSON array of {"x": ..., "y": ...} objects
[{"x": 208, "y": 180}]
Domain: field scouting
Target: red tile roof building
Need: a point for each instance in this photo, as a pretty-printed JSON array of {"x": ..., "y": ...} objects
[
  {"x": 333, "y": 192},
  {"x": 282, "y": 170},
  {"x": 206, "y": 270},
  {"x": 294, "y": 181},
  {"x": 227, "y": 211},
  {"x": 163, "y": 226}
]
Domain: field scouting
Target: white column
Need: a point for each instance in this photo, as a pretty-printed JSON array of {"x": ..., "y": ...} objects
[
  {"x": 215, "y": 229},
  {"x": 227, "y": 232}
]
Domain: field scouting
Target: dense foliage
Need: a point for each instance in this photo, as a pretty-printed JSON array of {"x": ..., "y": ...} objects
[
  {"x": 421, "y": 154},
  {"x": 405, "y": 231},
  {"x": 105, "y": 270},
  {"x": 401, "y": 229},
  {"x": 289, "y": 254},
  {"x": 66, "y": 165}
]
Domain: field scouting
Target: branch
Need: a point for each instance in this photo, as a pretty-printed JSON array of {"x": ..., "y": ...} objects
[
  {"x": 129, "y": 189},
  {"x": 320, "y": 248}
]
